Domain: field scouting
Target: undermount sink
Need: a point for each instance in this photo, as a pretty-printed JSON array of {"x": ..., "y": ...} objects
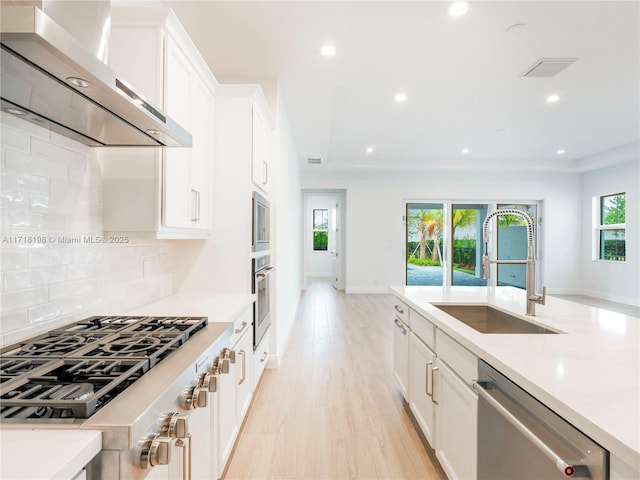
[{"x": 486, "y": 319}]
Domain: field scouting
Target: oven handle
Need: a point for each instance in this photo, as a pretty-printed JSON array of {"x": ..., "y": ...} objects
[
  {"x": 264, "y": 272},
  {"x": 567, "y": 469}
]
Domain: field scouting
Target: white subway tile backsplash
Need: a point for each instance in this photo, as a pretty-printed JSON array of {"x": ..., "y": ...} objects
[
  {"x": 55, "y": 266},
  {"x": 23, "y": 298}
]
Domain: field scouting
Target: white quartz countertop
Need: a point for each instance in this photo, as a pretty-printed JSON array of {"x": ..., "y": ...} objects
[
  {"x": 46, "y": 454},
  {"x": 217, "y": 307},
  {"x": 590, "y": 374}
]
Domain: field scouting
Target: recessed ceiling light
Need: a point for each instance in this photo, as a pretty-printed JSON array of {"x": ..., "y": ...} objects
[
  {"x": 465, "y": 151},
  {"x": 401, "y": 97},
  {"x": 553, "y": 98},
  {"x": 328, "y": 50},
  {"x": 79, "y": 82},
  {"x": 501, "y": 130},
  {"x": 14, "y": 111},
  {"x": 458, "y": 8},
  {"x": 370, "y": 150},
  {"x": 561, "y": 151}
]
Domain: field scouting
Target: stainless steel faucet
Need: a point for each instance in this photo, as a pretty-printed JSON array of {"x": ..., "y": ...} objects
[{"x": 532, "y": 297}]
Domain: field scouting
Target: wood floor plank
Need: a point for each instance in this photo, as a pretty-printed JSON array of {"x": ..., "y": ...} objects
[{"x": 333, "y": 410}]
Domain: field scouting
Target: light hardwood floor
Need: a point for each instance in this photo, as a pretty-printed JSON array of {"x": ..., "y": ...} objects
[{"x": 333, "y": 410}]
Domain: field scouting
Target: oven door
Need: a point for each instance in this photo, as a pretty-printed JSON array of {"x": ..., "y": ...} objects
[
  {"x": 260, "y": 227},
  {"x": 261, "y": 319}
]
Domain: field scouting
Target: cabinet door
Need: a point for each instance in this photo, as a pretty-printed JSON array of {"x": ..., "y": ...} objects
[
  {"x": 198, "y": 463},
  {"x": 244, "y": 361},
  {"x": 226, "y": 415},
  {"x": 401, "y": 356},
  {"x": 456, "y": 424},
  {"x": 421, "y": 378},
  {"x": 178, "y": 198},
  {"x": 260, "y": 358},
  {"x": 201, "y": 161},
  {"x": 260, "y": 150}
]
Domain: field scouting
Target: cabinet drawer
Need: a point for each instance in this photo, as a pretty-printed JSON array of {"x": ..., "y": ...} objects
[
  {"x": 241, "y": 324},
  {"x": 460, "y": 360},
  {"x": 401, "y": 310},
  {"x": 423, "y": 328},
  {"x": 260, "y": 359}
]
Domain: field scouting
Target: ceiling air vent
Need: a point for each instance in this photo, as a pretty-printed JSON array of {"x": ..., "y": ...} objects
[
  {"x": 314, "y": 161},
  {"x": 548, "y": 67}
]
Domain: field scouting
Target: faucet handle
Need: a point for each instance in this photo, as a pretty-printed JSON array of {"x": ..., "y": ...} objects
[
  {"x": 544, "y": 295},
  {"x": 485, "y": 266}
]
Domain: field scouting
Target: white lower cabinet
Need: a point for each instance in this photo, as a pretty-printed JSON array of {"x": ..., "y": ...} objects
[
  {"x": 456, "y": 425},
  {"x": 422, "y": 373},
  {"x": 260, "y": 358},
  {"x": 225, "y": 418},
  {"x": 244, "y": 369},
  {"x": 401, "y": 355},
  {"x": 198, "y": 465},
  {"x": 441, "y": 398}
]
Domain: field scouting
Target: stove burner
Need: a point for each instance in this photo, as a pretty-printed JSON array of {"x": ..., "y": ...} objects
[
  {"x": 74, "y": 371},
  {"x": 53, "y": 345},
  {"x": 68, "y": 388},
  {"x": 132, "y": 345}
]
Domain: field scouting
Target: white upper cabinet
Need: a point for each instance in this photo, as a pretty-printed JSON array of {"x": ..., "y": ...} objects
[
  {"x": 161, "y": 192},
  {"x": 260, "y": 149}
]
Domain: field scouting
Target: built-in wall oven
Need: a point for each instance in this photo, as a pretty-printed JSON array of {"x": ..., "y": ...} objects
[
  {"x": 260, "y": 223},
  {"x": 260, "y": 285},
  {"x": 520, "y": 438}
]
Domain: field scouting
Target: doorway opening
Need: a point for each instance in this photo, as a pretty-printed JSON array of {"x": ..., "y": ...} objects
[{"x": 324, "y": 236}]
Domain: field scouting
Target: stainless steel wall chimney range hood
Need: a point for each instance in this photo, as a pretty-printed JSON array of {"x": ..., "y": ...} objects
[{"x": 52, "y": 79}]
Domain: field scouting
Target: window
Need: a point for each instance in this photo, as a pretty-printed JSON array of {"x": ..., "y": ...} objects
[
  {"x": 320, "y": 229},
  {"x": 612, "y": 227}
]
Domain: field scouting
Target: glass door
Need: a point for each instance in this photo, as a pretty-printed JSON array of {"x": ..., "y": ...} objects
[
  {"x": 467, "y": 244},
  {"x": 424, "y": 234},
  {"x": 512, "y": 244}
]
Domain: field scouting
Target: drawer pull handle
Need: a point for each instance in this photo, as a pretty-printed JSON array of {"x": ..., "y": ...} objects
[
  {"x": 399, "y": 309},
  {"x": 242, "y": 327}
]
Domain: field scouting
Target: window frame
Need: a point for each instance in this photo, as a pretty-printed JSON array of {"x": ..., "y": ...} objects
[
  {"x": 315, "y": 230},
  {"x": 600, "y": 228}
]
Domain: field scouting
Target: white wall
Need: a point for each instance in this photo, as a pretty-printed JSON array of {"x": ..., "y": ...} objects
[
  {"x": 375, "y": 244},
  {"x": 56, "y": 265},
  {"x": 318, "y": 263},
  {"x": 615, "y": 281},
  {"x": 286, "y": 250}
]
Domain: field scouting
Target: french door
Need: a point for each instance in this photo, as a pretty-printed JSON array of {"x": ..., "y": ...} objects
[{"x": 445, "y": 243}]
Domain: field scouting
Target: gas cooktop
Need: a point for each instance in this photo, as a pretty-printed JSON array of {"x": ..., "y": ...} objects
[{"x": 74, "y": 371}]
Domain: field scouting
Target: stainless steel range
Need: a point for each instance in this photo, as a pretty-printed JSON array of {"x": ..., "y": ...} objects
[{"x": 110, "y": 374}]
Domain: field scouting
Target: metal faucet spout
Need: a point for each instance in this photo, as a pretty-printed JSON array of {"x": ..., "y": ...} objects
[{"x": 532, "y": 296}]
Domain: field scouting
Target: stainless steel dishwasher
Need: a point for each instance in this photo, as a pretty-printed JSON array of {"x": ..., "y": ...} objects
[{"x": 520, "y": 438}]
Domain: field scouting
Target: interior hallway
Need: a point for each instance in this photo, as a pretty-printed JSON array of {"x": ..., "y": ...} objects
[{"x": 333, "y": 410}]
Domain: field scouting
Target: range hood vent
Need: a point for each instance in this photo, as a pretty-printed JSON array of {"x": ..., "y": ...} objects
[
  {"x": 314, "y": 161},
  {"x": 548, "y": 67},
  {"x": 51, "y": 79}
]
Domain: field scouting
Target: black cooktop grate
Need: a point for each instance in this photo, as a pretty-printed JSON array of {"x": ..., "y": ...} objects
[{"x": 73, "y": 371}]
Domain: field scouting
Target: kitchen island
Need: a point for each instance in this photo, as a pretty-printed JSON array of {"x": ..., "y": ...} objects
[{"x": 588, "y": 373}]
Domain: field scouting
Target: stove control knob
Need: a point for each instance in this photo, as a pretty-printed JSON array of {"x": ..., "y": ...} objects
[
  {"x": 210, "y": 382},
  {"x": 217, "y": 366},
  {"x": 229, "y": 354},
  {"x": 197, "y": 397},
  {"x": 175, "y": 425},
  {"x": 156, "y": 450}
]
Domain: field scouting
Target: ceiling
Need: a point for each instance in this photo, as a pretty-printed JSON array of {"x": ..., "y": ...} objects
[{"x": 462, "y": 77}]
